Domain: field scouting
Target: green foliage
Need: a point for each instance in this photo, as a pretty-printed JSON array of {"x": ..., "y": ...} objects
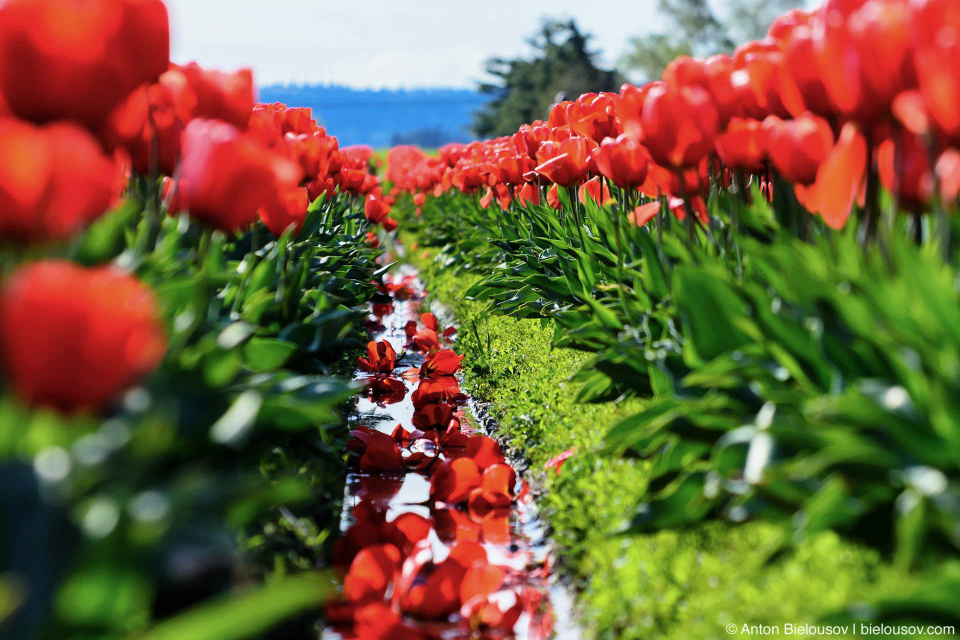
[
  {"x": 247, "y": 615},
  {"x": 525, "y": 89},
  {"x": 678, "y": 583},
  {"x": 808, "y": 384}
]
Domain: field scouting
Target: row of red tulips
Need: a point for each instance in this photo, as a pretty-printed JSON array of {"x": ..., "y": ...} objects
[
  {"x": 832, "y": 99},
  {"x": 89, "y": 100}
]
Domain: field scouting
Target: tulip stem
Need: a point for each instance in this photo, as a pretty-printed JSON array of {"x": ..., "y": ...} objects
[
  {"x": 576, "y": 216},
  {"x": 870, "y": 200},
  {"x": 660, "y": 222},
  {"x": 151, "y": 211},
  {"x": 917, "y": 228},
  {"x": 943, "y": 229},
  {"x": 616, "y": 231},
  {"x": 203, "y": 246},
  {"x": 688, "y": 209}
]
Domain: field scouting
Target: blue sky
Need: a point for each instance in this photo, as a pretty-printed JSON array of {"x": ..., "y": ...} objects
[{"x": 384, "y": 43}]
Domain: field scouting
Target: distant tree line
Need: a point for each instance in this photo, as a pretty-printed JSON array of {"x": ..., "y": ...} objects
[{"x": 428, "y": 137}]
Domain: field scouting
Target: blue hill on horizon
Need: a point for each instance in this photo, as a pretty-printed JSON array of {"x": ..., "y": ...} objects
[{"x": 385, "y": 117}]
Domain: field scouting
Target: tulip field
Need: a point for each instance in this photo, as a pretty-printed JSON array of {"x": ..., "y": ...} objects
[{"x": 681, "y": 361}]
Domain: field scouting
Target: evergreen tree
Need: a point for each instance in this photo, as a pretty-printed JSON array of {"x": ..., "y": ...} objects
[{"x": 562, "y": 67}]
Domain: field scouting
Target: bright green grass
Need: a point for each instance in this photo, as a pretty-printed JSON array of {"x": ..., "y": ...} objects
[{"x": 682, "y": 585}]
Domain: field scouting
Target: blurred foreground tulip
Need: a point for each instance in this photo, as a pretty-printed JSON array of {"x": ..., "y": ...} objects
[
  {"x": 73, "y": 338},
  {"x": 54, "y": 180},
  {"x": 77, "y": 59}
]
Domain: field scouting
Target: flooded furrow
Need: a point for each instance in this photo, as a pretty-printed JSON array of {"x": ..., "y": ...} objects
[{"x": 440, "y": 536}]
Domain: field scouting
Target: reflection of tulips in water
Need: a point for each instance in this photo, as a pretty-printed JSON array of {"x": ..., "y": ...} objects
[{"x": 406, "y": 574}]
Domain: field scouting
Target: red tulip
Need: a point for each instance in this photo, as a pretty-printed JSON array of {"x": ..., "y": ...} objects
[
  {"x": 320, "y": 188},
  {"x": 797, "y": 147},
  {"x": 628, "y": 107},
  {"x": 527, "y": 195},
  {"x": 623, "y": 160},
  {"x": 221, "y": 96},
  {"x": 54, "y": 180},
  {"x": 312, "y": 151},
  {"x": 596, "y": 190},
  {"x": 553, "y": 197},
  {"x": 299, "y": 121},
  {"x": 935, "y": 25},
  {"x": 743, "y": 145},
  {"x": 381, "y": 358},
  {"x": 801, "y": 86},
  {"x": 864, "y": 54},
  {"x": 227, "y": 175},
  {"x": 148, "y": 124},
  {"x": 529, "y": 138},
  {"x": 73, "y": 338},
  {"x": 756, "y": 79},
  {"x": 564, "y": 164},
  {"x": 713, "y": 75},
  {"x": 592, "y": 116},
  {"x": 661, "y": 181},
  {"x": 948, "y": 173},
  {"x": 679, "y": 125},
  {"x": 442, "y": 363},
  {"x": 288, "y": 210},
  {"x": 839, "y": 179},
  {"x": 72, "y": 59},
  {"x": 375, "y": 209},
  {"x": 427, "y": 341},
  {"x": 904, "y": 169}
]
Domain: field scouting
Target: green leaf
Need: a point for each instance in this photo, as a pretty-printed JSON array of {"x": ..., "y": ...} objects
[
  {"x": 246, "y": 615},
  {"x": 268, "y": 354},
  {"x": 106, "y": 237},
  {"x": 709, "y": 308}
]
